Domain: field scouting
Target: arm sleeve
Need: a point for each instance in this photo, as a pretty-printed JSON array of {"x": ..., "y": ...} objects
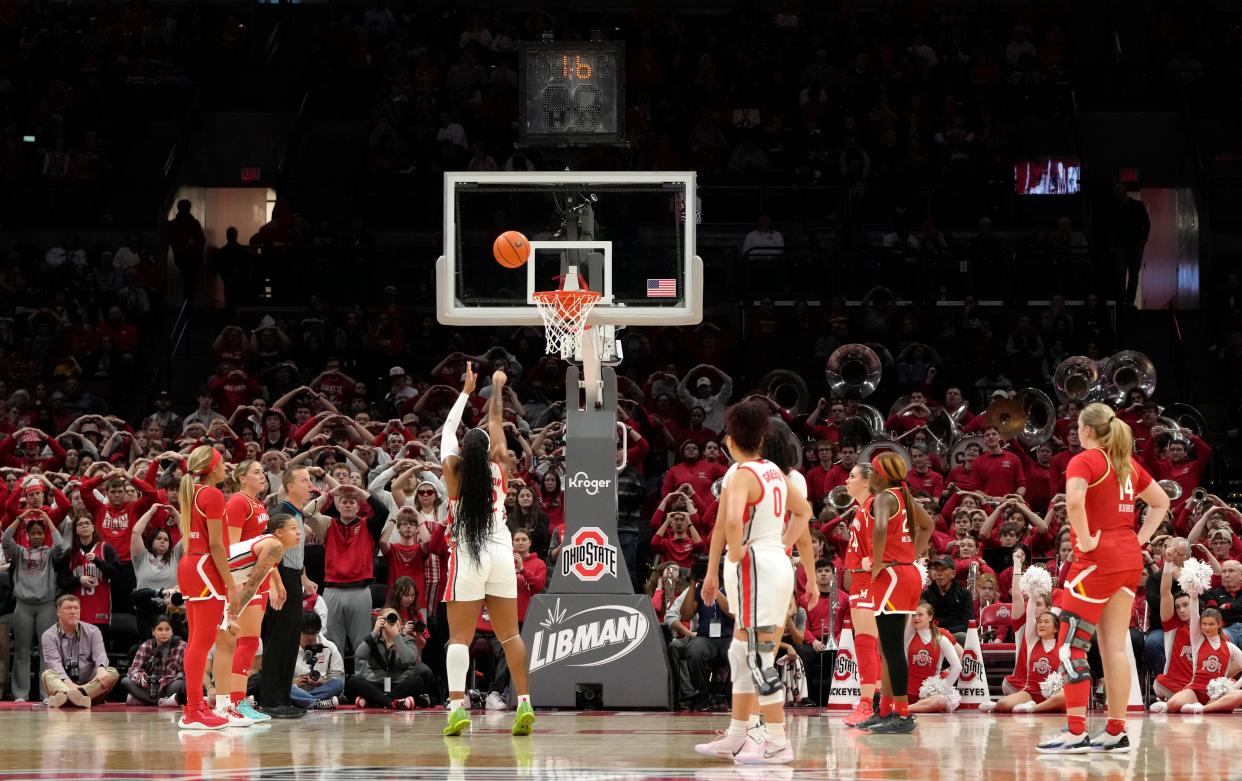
[
  {"x": 448, "y": 438},
  {"x": 379, "y": 517},
  {"x": 87, "y": 492},
  {"x": 51, "y": 652},
  {"x": 948, "y": 655},
  {"x": 99, "y": 654}
]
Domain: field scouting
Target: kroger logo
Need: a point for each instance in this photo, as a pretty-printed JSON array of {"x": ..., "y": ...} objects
[{"x": 592, "y": 487}]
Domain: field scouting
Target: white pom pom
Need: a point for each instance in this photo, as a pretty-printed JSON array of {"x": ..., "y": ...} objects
[
  {"x": 1035, "y": 580},
  {"x": 987, "y": 706},
  {"x": 1196, "y": 577},
  {"x": 952, "y": 699},
  {"x": 1219, "y": 687},
  {"x": 1052, "y": 684},
  {"x": 922, "y": 568},
  {"x": 936, "y": 686}
]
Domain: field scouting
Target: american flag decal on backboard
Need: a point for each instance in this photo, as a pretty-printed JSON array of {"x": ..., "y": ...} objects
[{"x": 661, "y": 288}]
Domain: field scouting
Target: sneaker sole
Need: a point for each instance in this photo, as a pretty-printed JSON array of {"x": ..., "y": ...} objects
[
  {"x": 456, "y": 728},
  {"x": 197, "y": 727},
  {"x": 524, "y": 724},
  {"x": 1064, "y": 751},
  {"x": 713, "y": 755}
]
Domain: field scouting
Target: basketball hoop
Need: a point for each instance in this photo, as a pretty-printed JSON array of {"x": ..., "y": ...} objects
[{"x": 564, "y": 315}]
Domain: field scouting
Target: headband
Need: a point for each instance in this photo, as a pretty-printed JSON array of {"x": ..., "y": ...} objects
[{"x": 215, "y": 461}]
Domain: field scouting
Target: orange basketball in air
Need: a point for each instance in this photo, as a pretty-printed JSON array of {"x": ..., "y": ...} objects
[{"x": 511, "y": 249}]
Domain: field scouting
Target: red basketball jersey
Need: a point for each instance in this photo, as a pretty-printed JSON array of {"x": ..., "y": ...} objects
[
  {"x": 249, "y": 515},
  {"x": 96, "y": 601},
  {"x": 1110, "y": 509},
  {"x": 898, "y": 542},
  {"x": 208, "y": 503},
  {"x": 860, "y": 538}
]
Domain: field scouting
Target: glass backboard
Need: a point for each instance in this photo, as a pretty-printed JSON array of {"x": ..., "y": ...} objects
[{"x": 629, "y": 234}]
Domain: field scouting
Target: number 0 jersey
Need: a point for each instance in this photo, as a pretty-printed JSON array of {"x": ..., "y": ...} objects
[{"x": 763, "y": 520}]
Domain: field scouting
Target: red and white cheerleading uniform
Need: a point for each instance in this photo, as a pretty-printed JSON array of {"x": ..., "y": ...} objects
[
  {"x": 925, "y": 652},
  {"x": 197, "y": 577},
  {"x": 1116, "y": 563},
  {"x": 760, "y": 585},
  {"x": 1212, "y": 659},
  {"x": 1179, "y": 656},
  {"x": 249, "y": 515},
  {"x": 1044, "y": 657}
]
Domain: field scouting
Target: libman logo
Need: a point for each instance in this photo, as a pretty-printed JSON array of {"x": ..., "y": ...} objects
[
  {"x": 589, "y": 556},
  {"x": 589, "y": 638}
]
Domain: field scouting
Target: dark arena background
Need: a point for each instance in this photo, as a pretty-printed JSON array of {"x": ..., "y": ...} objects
[{"x": 290, "y": 231}]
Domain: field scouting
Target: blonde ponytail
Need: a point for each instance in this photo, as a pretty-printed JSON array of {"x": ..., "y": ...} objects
[
  {"x": 200, "y": 460},
  {"x": 1115, "y": 437}
]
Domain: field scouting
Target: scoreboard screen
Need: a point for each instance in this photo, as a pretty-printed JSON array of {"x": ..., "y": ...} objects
[{"x": 571, "y": 93}]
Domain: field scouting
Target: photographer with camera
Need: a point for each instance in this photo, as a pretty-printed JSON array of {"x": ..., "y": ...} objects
[
  {"x": 387, "y": 673},
  {"x": 319, "y": 672},
  {"x": 712, "y": 633}
]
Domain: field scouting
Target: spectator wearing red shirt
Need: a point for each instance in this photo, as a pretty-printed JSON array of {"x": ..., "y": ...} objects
[
  {"x": 965, "y": 553},
  {"x": 231, "y": 387},
  {"x": 532, "y": 572},
  {"x": 677, "y": 540},
  {"x": 1067, "y": 423},
  {"x": 695, "y": 471},
  {"x": 1178, "y": 466},
  {"x": 333, "y": 384},
  {"x": 963, "y": 476},
  {"x": 125, "y": 337},
  {"x": 696, "y": 433},
  {"x": 1000, "y": 472},
  {"x": 817, "y": 477},
  {"x": 922, "y": 477},
  {"x": 848, "y": 455},
  {"x": 826, "y": 428},
  {"x": 1056, "y": 467},
  {"x": 24, "y": 450},
  {"x": 955, "y": 405},
  {"x": 115, "y": 520},
  {"x": 913, "y": 415},
  {"x": 1039, "y": 478}
]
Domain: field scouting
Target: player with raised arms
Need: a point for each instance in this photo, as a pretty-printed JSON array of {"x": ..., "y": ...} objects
[
  {"x": 480, "y": 565},
  {"x": 759, "y": 583},
  {"x": 1102, "y": 484}
]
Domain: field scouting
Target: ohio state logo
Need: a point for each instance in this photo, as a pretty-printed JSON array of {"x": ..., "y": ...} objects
[
  {"x": 1042, "y": 666},
  {"x": 1211, "y": 664},
  {"x": 589, "y": 556},
  {"x": 1002, "y": 613},
  {"x": 923, "y": 658},
  {"x": 971, "y": 667},
  {"x": 845, "y": 667}
]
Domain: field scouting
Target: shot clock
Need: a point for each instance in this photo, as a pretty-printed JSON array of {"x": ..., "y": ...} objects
[{"x": 571, "y": 93}]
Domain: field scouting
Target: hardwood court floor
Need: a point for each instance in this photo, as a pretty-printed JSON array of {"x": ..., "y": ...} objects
[{"x": 356, "y": 746}]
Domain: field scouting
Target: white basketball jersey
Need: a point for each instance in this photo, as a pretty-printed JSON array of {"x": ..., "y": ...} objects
[
  {"x": 764, "y": 520},
  {"x": 500, "y": 528},
  {"x": 242, "y": 557}
]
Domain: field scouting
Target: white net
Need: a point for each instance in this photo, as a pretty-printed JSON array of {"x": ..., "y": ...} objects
[{"x": 564, "y": 315}]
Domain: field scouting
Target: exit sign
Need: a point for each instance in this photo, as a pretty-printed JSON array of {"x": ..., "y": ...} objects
[
  {"x": 251, "y": 174},
  {"x": 1128, "y": 175}
]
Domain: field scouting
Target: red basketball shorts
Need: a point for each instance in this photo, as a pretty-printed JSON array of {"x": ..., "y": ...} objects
[
  {"x": 1087, "y": 590},
  {"x": 197, "y": 578},
  {"x": 898, "y": 589}
]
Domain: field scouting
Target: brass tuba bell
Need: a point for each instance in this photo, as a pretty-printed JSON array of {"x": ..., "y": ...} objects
[
  {"x": 1041, "y": 417},
  {"x": 839, "y": 498},
  {"x": 853, "y": 370},
  {"x": 1127, "y": 370},
  {"x": 1075, "y": 378},
  {"x": 1172, "y": 488}
]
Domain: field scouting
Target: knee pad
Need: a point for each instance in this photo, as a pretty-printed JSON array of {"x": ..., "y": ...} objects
[
  {"x": 761, "y": 656},
  {"x": 868, "y": 650},
  {"x": 768, "y": 661},
  {"x": 739, "y": 671},
  {"x": 243, "y": 657},
  {"x": 1075, "y": 636}
]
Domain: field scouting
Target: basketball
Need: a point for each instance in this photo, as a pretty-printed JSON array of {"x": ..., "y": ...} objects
[{"x": 511, "y": 249}]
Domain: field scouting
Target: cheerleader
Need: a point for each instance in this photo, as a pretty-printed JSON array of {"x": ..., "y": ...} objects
[
  {"x": 1177, "y": 615},
  {"x": 1025, "y": 608},
  {"x": 1103, "y": 482},
  {"x": 1042, "y": 692},
  {"x": 1214, "y": 657},
  {"x": 928, "y": 648}
]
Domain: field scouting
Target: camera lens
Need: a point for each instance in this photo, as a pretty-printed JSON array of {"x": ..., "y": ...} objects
[
  {"x": 177, "y": 599},
  {"x": 391, "y": 618}
]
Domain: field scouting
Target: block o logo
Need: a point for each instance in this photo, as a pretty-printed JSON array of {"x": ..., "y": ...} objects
[{"x": 589, "y": 556}]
